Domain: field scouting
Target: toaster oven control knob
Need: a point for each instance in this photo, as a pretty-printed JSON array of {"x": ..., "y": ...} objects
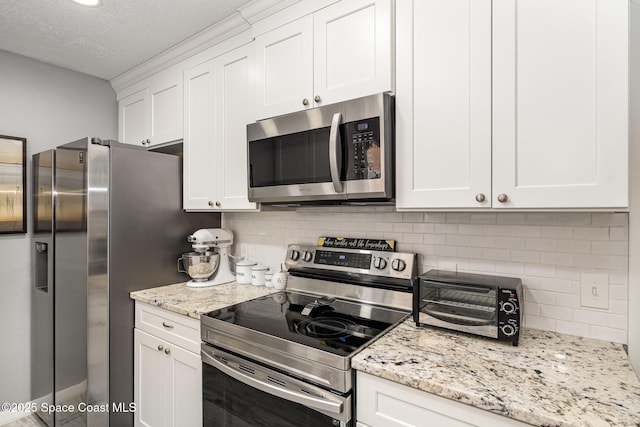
[
  {"x": 379, "y": 263},
  {"x": 294, "y": 255},
  {"x": 307, "y": 256},
  {"x": 508, "y": 307},
  {"x": 508, "y": 330},
  {"x": 398, "y": 265}
]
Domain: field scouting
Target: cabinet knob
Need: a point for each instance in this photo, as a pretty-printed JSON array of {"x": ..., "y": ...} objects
[
  {"x": 210, "y": 203},
  {"x": 148, "y": 142},
  {"x": 480, "y": 197},
  {"x": 143, "y": 143},
  {"x": 160, "y": 347},
  {"x": 218, "y": 204},
  {"x": 305, "y": 101},
  {"x": 167, "y": 351},
  {"x": 502, "y": 198},
  {"x": 317, "y": 98}
]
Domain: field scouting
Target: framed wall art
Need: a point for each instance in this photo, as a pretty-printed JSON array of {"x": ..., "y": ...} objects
[{"x": 13, "y": 181}]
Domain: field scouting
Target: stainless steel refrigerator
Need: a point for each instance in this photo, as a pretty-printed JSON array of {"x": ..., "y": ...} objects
[{"x": 107, "y": 220}]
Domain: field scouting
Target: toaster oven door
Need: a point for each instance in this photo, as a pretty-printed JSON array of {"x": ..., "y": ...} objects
[{"x": 466, "y": 308}]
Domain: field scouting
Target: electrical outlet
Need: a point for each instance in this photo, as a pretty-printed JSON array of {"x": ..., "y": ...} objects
[{"x": 594, "y": 290}]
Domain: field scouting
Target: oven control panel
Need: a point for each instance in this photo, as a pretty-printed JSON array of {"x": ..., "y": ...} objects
[{"x": 376, "y": 263}]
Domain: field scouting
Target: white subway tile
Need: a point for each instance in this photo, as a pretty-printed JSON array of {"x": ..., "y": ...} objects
[
  {"x": 540, "y": 218},
  {"x": 572, "y": 328},
  {"x": 574, "y": 246},
  {"x": 617, "y": 262},
  {"x": 435, "y": 217},
  {"x": 609, "y": 248},
  {"x": 482, "y": 218},
  {"x": 591, "y": 317},
  {"x": 512, "y": 230},
  {"x": 481, "y": 266},
  {"x": 618, "y": 306},
  {"x": 556, "y": 232},
  {"x": 591, "y": 233},
  {"x": 557, "y": 259},
  {"x": 402, "y": 227},
  {"x": 511, "y": 218},
  {"x": 525, "y": 256},
  {"x": 618, "y": 277},
  {"x": 591, "y": 261},
  {"x": 482, "y": 241},
  {"x": 510, "y": 243},
  {"x": 555, "y": 312},
  {"x": 434, "y": 239},
  {"x": 383, "y": 226},
  {"x": 412, "y": 238},
  {"x": 573, "y": 218},
  {"x": 614, "y": 219},
  {"x": 559, "y": 285},
  {"x": 423, "y": 228},
  {"x": 608, "y": 334},
  {"x": 541, "y": 297},
  {"x": 536, "y": 322},
  {"x": 458, "y": 218},
  {"x": 510, "y": 268},
  {"x": 540, "y": 244},
  {"x": 539, "y": 270},
  {"x": 532, "y": 308},
  {"x": 570, "y": 273},
  {"x": 412, "y": 217},
  {"x": 619, "y": 233},
  {"x": 569, "y": 300},
  {"x": 446, "y": 251},
  {"x": 618, "y": 292},
  {"x": 392, "y": 217},
  {"x": 473, "y": 229},
  {"x": 425, "y": 250},
  {"x": 446, "y": 228},
  {"x": 457, "y": 240},
  {"x": 618, "y": 321}
]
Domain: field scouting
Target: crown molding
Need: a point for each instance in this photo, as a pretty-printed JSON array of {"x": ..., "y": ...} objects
[
  {"x": 234, "y": 24},
  {"x": 259, "y": 9}
]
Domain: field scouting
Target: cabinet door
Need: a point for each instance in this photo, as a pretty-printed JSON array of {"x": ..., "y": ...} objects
[
  {"x": 284, "y": 69},
  {"x": 150, "y": 379},
  {"x": 443, "y": 104},
  {"x": 234, "y": 110},
  {"x": 133, "y": 112},
  {"x": 166, "y": 108},
  {"x": 352, "y": 47},
  {"x": 199, "y": 162},
  {"x": 184, "y": 388},
  {"x": 560, "y": 103}
]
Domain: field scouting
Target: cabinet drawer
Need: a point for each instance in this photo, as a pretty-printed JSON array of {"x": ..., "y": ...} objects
[{"x": 177, "y": 329}]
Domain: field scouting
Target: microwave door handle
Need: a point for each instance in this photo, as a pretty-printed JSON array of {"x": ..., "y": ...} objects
[{"x": 335, "y": 147}]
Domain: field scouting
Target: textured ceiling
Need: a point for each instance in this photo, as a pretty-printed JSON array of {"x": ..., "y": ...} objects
[{"x": 108, "y": 40}]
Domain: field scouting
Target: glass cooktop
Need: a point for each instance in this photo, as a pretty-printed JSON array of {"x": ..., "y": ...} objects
[{"x": 335, "y": 325}]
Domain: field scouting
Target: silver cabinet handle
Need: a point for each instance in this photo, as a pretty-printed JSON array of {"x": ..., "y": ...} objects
[
  {"x": 335, "y": 147},
  {"x": 165, "y": 325},
  {"x": 317, "y": 98},
  {"x": 160, "y": 347},
  {"x": 322, "y": 404},
  {"x": 480, "y": 197},
  {"x": 502, "y": 198},
  {"x": 305, "y": 102},
  {"x": 167, "y": 350},
  {"x": 143, "y": 142},
  {"x": 210, "y": 203},
  {"x": 218, "y": 204},
  {"x": 148, "y": 142}
]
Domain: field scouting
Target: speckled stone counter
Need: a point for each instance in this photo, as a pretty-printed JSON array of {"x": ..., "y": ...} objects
[
  {"x": 193, "y": 302},
  {"x": 550, "y": 379}
]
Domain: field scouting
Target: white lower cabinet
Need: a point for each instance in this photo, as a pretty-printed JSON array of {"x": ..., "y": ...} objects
[
  {"x": 167, "y": 377},
  {"x": 383, "y": 403}
]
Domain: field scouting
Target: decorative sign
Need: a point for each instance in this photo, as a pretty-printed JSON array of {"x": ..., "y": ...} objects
[
  {"x": 356, "y": 243},
  {"x": 13, "y": 179}
]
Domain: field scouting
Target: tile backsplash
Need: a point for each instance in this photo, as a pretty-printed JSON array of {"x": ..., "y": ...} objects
[{"x": 549, "y": 251}]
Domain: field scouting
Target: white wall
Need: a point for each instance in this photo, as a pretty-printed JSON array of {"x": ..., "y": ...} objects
[
  {"x": 49, "y": 106},
  {"x": 549, "y": 251}
]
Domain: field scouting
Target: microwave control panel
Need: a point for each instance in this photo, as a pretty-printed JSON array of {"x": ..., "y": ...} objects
[{"x": 364, "y": 154}]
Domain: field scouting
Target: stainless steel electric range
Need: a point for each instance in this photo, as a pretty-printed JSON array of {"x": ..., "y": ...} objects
[{"x": 285, "y": 359}]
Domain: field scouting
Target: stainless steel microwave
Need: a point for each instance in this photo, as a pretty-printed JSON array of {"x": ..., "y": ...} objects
[{"x": 336, "y": 153}]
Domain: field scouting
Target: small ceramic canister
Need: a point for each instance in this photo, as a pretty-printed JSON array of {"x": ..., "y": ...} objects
[
  {"x": 257, "y": 274},
  {"x": 243, "y": 271},
  {"x": 268, "y": 276},
  {"x": 279, "y": 280}
]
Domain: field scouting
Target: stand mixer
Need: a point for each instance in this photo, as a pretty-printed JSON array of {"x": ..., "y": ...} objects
[{"x": 203, "y": 241}]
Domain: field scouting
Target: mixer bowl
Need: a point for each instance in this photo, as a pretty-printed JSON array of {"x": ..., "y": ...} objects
[{"x": 199, "y": 266}]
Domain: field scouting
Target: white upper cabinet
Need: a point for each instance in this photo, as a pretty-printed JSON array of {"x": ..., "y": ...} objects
[
  {"x": 560, "y": 103},
  {"x": 443, "y": 104},
  {"x": 340, "y": 52},
  {"x": 152, "y": 115},
  {"x": 218, "y": 105},
  {"x": 512, "y": 107}
]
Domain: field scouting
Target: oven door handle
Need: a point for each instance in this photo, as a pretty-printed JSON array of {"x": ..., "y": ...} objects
[
  {"x": 335, "y": 148},
  {"x": 290, "y": 395}
]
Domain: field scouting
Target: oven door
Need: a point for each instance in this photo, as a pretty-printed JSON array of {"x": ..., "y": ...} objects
[{"x": 240, "y": 393}]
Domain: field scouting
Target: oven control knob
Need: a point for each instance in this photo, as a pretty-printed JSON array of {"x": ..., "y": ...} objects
[
  {"x": 294, "y": 255},
  {"x": 307, "y": 256},
  {"x": 508, "y": 330},
  {"x": 379, "y": 263},
  {"x": 398, "y": 265},
  {"x": 509, "y": 307}
]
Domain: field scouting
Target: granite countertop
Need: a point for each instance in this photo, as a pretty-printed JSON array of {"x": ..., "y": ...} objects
[
  {"x": 193, "y": 302},
  {"x": 550, "y": 379}
]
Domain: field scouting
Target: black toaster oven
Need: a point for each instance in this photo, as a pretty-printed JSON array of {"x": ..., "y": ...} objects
[{"x": 479, "y": 304}]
